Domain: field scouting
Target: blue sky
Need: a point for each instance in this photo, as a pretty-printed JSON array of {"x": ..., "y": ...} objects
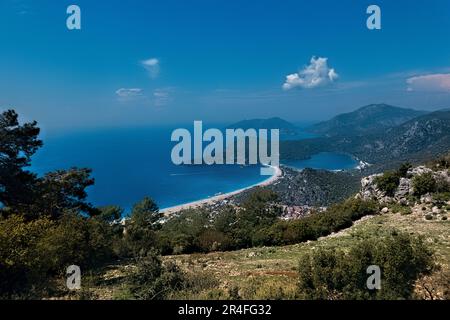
[{"x": 158, "y": 62}]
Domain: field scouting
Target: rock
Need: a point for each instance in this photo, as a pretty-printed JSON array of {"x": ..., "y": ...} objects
[
  {"x": 369, "y": 189},
  {"x": 404, "y": 188},
  {"x": 426, "y": 199},
  {"x": 419, "y": 170},
  {"x": 442, "y": 176},
  {"x": 436, "y": 210},
  {"x": 386, "y": 199},
  {"x": 385, "y": 210}
]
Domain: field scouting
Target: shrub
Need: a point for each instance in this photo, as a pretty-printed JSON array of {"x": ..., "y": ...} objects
[
  {"x": 402, "y": 209},
  {"x": 213, "y": 240},
  {"x": 403, "y": 170},
  {"x": 20, "y": 259},
  {"x": 198, "y": 285},
  {"x": 388, "y": 182},
  {"x": 80, "y": 241},
  {"x": 424, "y": 183},
  {"x": 441, "y": 197},
  {"x": 442, "y": 185},
  {"x": 339, "y": 274},
  {"x": 33, "y": 252},
  {"x": 335, "y": 218},
  {"x": 154, "y": 281}
]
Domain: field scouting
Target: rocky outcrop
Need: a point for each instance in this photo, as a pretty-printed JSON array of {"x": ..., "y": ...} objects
[
  {"x": 404, "y": 188},
  {"x": 370, "y": 191}
]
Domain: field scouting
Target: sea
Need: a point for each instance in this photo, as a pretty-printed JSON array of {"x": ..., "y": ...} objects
[{"x": 131, "y": 163}]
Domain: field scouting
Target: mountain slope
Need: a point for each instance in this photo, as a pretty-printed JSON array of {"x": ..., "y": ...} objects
[
  {"x": 369, "y": 119},
  {"x": 416, "y": 140},
  {"x": 421, "y": 137}
]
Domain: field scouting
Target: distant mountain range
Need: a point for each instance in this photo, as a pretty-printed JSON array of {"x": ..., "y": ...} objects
[
  {"x": 366, "y": 120},
  {"x": 416, "y": 140},
  {"x": 272, "y": 123},
  {"x": 379, "y": 134},
  {"x": 287, "y": 129},
  {"x": 420, "y": 138}
]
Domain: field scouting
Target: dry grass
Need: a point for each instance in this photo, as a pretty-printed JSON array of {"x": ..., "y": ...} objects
[{"x": 270, "y": 272}]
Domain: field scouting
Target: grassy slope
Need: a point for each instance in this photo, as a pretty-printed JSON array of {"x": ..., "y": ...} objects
[{"x": 271, "y": 272}]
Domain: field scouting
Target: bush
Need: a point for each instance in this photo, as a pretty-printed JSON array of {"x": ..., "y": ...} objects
[
  {"x": 321, "y": 224},
  {"x": 403, "y": 170},
  {"x": 33, "y": 252},
  {"x": 442, "y": 197},
  {"x": 337, "y": 274},
  {"x": 402, "y": 209},
  {"x": 213, "y": 240},
  {"x": 424, "y": 183},
  {"x": 75, "y": 240},
  {"x": 442, "y": 185},
  {"x": 20, "y": 260},
  {"x": 154, "y": 281},
  {"x": 388, "y": 182},
  {"x": 199, "y": 286}
]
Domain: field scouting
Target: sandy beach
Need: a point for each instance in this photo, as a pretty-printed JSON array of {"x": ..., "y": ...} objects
[{"x": 277, "y": 174}]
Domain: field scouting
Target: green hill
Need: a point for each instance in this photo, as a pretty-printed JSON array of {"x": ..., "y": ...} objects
[
  {"x": 369, "y": 119},
  {"x": 417, "y": 140}
]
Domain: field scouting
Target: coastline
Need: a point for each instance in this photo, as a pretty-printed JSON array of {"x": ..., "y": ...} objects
[{"x": 195, "y": 204}]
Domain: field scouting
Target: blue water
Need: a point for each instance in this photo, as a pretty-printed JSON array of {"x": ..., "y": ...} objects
[
  {"x": 324, "y": 160},
  {"x": 129, "y": 164}
]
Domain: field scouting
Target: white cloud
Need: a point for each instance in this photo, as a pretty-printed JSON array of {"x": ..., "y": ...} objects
[
  {"x": 125, "y": 94},
  {"x": 162, "y": 96},
  {"x": 316, "y": 74},
  {"x": 439, "y": 82},
  {"x": 133, "y": 92},
  {"x": 152, "y": 66}
]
